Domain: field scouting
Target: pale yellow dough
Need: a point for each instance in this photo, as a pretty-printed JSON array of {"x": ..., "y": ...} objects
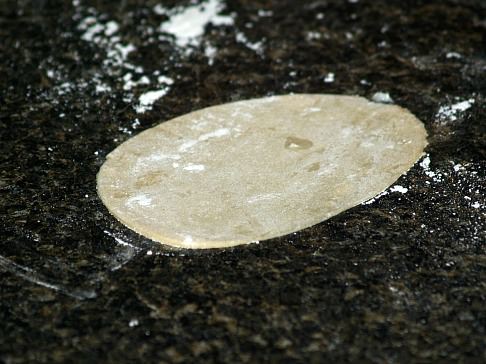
[{"x": 257, "y": 169}]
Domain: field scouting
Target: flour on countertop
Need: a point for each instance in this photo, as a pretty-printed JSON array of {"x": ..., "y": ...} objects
[
  {"x": 265, "y": 13},
  {"x": 329, "y": 78},
  {"x": 448, "y": 181},
  {"x": 398, "y": 188},
  {"x": 147, "y": 99},
  {"x": 187, "y": 24},
  {"x": 452, "y": 112},
  {"x": 129, "y": 83},
  {"x": 104, "y": 35},
  {"x": 133, "y": 323},
  {"x": 382, "y": 97},
  {"x": 210, "y": 53},
  {"x": 453, "y": 55},
  {"x": 107, "y": 35},
  {"x": 257, "y": 47},
  {"x": 395, "y": 188},
  {"x": 313, "y": 36},
  {"x": 461, "y": 174}
]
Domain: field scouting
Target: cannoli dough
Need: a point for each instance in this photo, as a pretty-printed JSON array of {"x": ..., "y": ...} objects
[{"x": 257, "y": 169}]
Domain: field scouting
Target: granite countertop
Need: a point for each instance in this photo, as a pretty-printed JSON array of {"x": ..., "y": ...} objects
[{"x": 401, "y": 279}]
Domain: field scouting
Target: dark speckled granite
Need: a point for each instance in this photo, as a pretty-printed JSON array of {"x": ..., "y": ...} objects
[{"x": 400, "y": 280}]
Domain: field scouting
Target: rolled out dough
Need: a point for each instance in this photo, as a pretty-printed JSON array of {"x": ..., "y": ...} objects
[{"x": 257, "y": 169}]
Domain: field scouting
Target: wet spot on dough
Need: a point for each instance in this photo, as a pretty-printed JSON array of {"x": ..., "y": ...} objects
[{"x": 295, "y": 143}]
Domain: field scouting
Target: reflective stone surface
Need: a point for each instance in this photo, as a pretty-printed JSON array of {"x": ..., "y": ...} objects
[{"x": 400, "y": 279}]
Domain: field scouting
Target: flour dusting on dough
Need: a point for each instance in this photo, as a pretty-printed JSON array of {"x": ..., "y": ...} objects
[
  {"x": 140, "y": 199},
  {"x": 252, "y": 170},
  {"x": 194, "y": 167}
]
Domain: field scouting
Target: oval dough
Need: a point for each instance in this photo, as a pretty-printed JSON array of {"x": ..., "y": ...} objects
[{"x": 257, "y": 169}]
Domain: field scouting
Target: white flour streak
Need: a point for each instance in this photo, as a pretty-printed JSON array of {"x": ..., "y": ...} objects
[
  {"x": 265, "y": 13},
  {"x": 187, "y": 145},
  {"x": 453, "y": 55},
  {"x": 118, "y": 55},
  {"x": 133, "y": 323},
  {"x": 145, "y": 161},
  {"x": 399, "y": 188},
  {"x": 92, "y": 31},
  {"x": 187, "y": 24},
  {"x": 103, "y": 35},
  {"x": 111, "y": 28},
  {"x": 329, "y": 78},
  {"x": 129, "y": 83},
  {"x": 156, "y": 157},
  {"x": 458, "y": 167},
  {"x": 210, "y": 52},
  {"x": 396, "y": 188},
  {"x": 257, "y": 47},
  {"x": 165, "y": 80},
  {"x": 382, "y": 97},
  {"x": 136, "y": 123},
  {"x": 102, "y": 88},
  {"x": 313, "y": 35},
  {"x": 106, "y": 35},
  {"x": 370, "y": 201},
  {"x": 452, "y": 112},
  {"x": 425, "y": 164},
  {"x": 188, "y": 239},
  {"x": 147, "y": 99},
  {"x": 263, "y": 197},
  {"x": 218, "y": 133},
  {"x": 140, "y": 199},
  {"x": 194, "y": 167},
  {"x": 476, "y": 205}
]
